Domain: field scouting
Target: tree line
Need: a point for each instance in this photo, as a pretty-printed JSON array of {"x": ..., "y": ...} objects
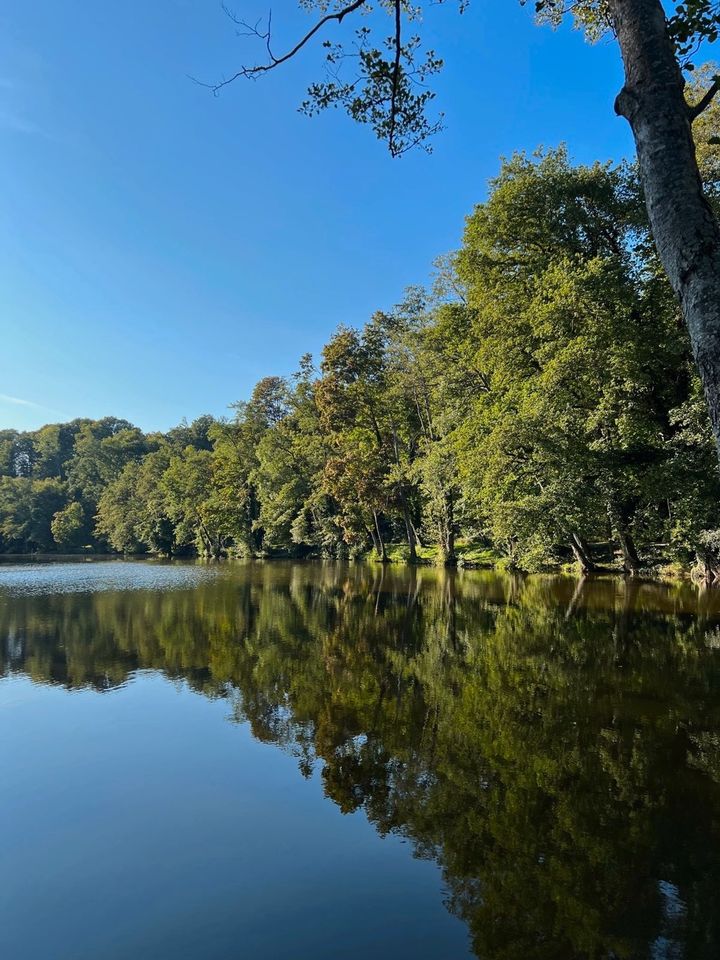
[{"x": 538, "y": 401}]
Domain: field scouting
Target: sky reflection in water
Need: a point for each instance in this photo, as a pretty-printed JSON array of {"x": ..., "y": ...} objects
[{"x": 315, "y": 761}]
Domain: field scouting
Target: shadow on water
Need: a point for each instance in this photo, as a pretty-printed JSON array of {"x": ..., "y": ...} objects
[{"x": 553, "y": 744}]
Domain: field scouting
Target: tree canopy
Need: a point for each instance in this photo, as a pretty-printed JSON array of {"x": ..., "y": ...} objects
[
  {"x": 383, "y": 81},
  {"x": 538, "y": 404},
  {"x": 378, "y": 68}
]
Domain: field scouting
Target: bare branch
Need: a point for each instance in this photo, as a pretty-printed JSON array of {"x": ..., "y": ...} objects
[
  {"x": 706, "y": 99},
  {"x": 274, "y": 61}
]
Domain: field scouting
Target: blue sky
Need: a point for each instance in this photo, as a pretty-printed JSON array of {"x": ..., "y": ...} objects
[{"x": 161, "y": 249}]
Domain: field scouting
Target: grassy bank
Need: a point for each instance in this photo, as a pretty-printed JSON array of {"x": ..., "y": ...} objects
[{"x": 655, "y": 565}]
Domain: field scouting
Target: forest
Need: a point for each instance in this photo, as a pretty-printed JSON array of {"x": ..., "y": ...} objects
[{"x": 536, "y": 405}]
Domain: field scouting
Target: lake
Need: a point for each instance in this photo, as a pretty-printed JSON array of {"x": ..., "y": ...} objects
[{"x": 324, "y": 761}]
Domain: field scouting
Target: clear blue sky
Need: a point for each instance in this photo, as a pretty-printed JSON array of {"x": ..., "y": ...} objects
[{"x": 162, "y": 249}]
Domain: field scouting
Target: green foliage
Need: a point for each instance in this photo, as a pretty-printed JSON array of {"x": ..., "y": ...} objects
[
  {"x": 706, "y": 129},
  {"x": 27, "y": 509},
  {"x": 101, "y": 450},
  {"x": 538, "y": 404},
  {"x": 200, "y": 514},
  {"x": 132, "y": 511},
  {"x": 388, "y": 92},
  {"x": 579, "y": 347},
  {"x": 381, "y": 77},
  {"x": 68, "y": 525},
  {"x": 691, "y": 23}
]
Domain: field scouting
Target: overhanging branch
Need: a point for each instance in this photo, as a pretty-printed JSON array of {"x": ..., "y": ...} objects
[
  {"x": 274, "y": 61},
  {"x": 388, "y": 92},
  {"x": 696, "y": 109}
]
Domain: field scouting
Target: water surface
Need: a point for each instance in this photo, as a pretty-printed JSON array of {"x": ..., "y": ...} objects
[{"x": 271, "y": 761}]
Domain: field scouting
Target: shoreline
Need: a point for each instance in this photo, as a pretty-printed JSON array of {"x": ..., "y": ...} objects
[{"x": 656, "y": 573}]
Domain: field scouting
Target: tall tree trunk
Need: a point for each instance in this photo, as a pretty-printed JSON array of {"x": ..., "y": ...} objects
[
  {"x": 409, "y": 528},
  {"x": 619, "y": 516},
  {"x": 706, "y": 569},
  {"x": 448, "y": 533},
  {"x": 449, "y": 557},
  {"x": 418, "y": 538},
  {"x": 374, "y": 537},
  {"x": 684, "y": 227},
  {"x": 380, "y": 544},
  {"x": 631, "y": 561},
  {"x": 581, "y": 552}
]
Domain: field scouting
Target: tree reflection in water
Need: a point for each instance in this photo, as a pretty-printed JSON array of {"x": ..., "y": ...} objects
[{"x": 554, "y": 745}]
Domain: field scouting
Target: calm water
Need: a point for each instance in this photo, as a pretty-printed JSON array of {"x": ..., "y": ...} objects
[{"x": 321, "y": 762}]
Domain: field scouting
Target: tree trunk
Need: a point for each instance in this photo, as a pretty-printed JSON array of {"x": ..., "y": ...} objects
[
  {"x": 448, "y": 544},
  {"x": 380, "y": 544},
  {"x": 409, "y": 528},
  {"x": 582, "y": 553},
  {"x": 449, "y": 558},
  {"x": 418, "y": 538},
  {"x": 631, "y": 561},
  {"x": 685, "y": 230},
  {"x": 375, "y": 541},
  {"x": 619, "y": 517},
  {"x": 706, "y": 569}
]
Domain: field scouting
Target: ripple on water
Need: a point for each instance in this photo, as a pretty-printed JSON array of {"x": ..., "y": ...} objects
[{"x": 93, "y": 576}]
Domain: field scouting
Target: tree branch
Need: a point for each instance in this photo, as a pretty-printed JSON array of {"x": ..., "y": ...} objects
[
  {"x": 706, "y": 99},
  {"x": 395, "y": 76},
  {"x": 339, "y": 16}
]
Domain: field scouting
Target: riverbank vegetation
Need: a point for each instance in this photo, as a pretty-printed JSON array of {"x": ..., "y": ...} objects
[{"x": 537, "y": 406}]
